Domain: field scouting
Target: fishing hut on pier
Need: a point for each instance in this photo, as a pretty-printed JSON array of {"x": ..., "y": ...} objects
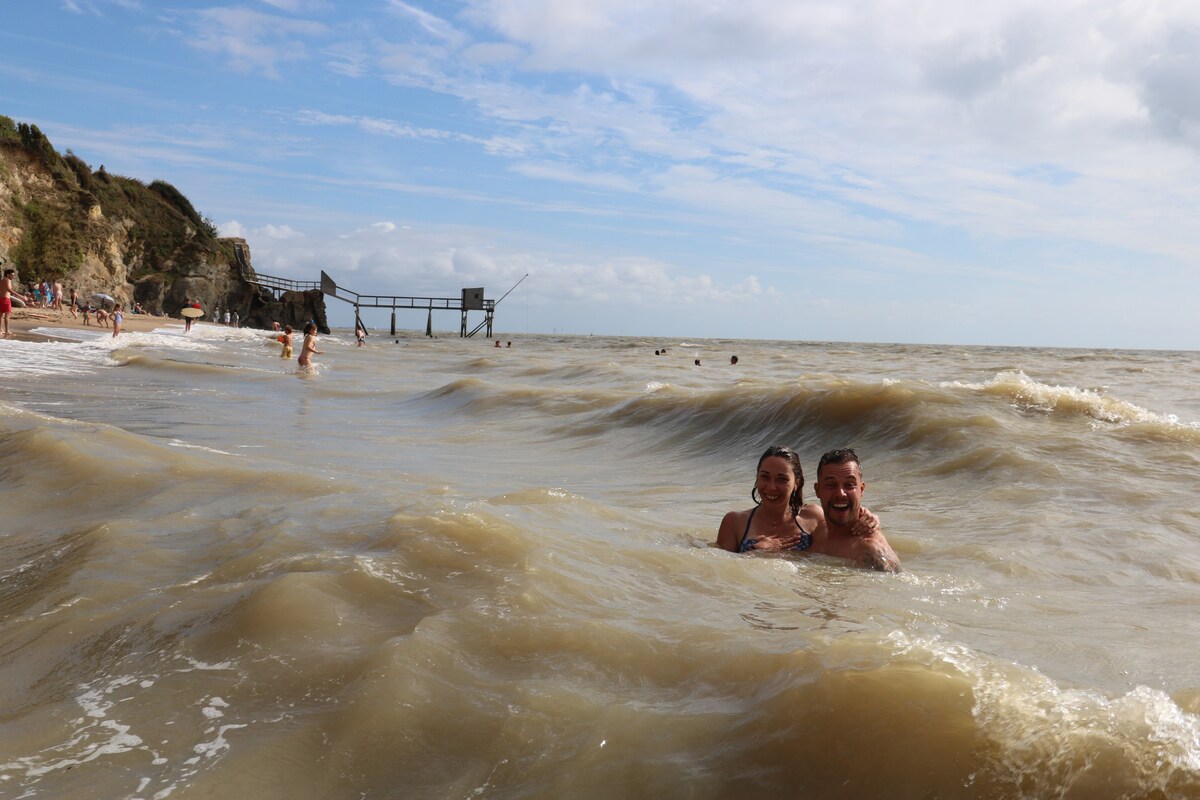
[{"x": 470, "y": 300}]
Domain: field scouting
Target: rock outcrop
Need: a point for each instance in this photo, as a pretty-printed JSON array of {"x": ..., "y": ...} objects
[{"x": 102, "y": 233}]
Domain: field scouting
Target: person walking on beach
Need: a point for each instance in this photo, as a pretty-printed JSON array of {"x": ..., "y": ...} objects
[
  {"x": 309, "y": 348},
  {"x": 74, "y": 303},
  {"x": 117, "y": 319},
  {"x": 187, "y": 321}
]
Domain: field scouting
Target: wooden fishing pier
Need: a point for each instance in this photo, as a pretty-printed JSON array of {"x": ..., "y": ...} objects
[{"x": 470, "y": 300}]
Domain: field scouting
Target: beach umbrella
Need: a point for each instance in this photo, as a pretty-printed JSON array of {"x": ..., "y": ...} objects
[{"x": 104, "y": 298}]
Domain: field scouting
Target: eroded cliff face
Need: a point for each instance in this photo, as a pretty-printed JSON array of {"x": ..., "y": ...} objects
[{"x": 100, "y": 233}]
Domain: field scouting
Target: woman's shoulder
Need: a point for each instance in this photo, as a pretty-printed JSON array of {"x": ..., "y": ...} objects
[
  {"x": 729, "y": 535},
  {"x": 737, "y": 516}
]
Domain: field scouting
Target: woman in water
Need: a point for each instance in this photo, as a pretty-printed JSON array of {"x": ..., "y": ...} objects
[{"x": 779, "y": 520}]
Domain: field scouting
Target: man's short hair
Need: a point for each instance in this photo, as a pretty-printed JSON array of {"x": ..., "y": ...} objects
[
  {"x": 843, "y": 455},
  {"x": 8, "y": 272}
]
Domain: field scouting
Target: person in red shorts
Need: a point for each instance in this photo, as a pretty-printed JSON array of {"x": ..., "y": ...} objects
[{"x": 6, "y": 293}]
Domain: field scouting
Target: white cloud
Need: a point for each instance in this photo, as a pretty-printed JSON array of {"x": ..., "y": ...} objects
[
  {"x": 251, "y": 41},
  {"x": 235, "y": 229},
  {"x": 412, "y": 260}
]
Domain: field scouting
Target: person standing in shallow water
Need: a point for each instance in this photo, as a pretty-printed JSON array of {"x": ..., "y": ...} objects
[
  {"x": 309, "y": 348},
  {"x": 285, "y": 339}
]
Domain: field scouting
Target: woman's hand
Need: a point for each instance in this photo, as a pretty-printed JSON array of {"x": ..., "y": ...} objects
[
  {"x": 786, "y": 542},
  {"x": 866, "y": 524}
]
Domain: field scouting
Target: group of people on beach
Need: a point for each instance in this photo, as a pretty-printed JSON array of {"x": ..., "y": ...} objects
[
  {"x": 49, "y": 297},
  {"x": 43, "y": 294},
  {"x": 781, "y": 522},
  {"x": 231, "y": 318}
]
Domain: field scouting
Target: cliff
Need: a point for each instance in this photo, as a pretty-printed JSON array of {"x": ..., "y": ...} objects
[{"x": 98, "y": 232}]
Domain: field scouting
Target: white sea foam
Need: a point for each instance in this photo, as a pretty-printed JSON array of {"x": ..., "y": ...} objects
[{"x": 1031, "y": 394}]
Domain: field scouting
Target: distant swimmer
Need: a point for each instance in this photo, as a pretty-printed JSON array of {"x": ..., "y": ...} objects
[
  {"x": 360, "y": 335},
  {"x": 733, "y": 360},
  {"x": 780, "y": 520},
  {"x": 697, "y": 362},
  {"x": 309, "y": 348}
]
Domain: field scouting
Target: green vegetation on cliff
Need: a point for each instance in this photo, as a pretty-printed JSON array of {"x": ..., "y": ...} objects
[{"x": 60, "y": 225}]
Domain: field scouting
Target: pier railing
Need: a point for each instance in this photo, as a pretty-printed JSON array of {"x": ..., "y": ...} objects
[
  {"x": 281, "y": 285},
  {"x": 471, "y": 300}
]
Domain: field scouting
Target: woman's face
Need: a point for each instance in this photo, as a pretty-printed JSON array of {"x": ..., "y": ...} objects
[{"x": 776, "y": 480}]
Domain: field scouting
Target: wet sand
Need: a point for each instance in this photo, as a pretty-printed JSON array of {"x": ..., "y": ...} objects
[{"x": 26, "y": 320}]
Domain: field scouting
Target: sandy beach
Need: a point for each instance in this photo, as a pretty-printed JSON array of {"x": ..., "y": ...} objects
[{"x": 26, "y": 320}]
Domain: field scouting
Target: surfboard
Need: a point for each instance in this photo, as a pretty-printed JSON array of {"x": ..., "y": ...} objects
[{"x": 191, "y": 312}]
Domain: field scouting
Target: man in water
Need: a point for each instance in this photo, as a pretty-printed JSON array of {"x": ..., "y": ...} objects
[{"x": 840, "y": 488}]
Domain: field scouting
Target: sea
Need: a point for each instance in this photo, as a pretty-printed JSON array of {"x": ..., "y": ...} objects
[{"x": 435, "y": 568}]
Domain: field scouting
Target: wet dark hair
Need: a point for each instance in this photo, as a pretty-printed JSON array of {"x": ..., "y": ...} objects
[
  {"x": 310, "y": 327},
  {"x": 841, "y": 456},
  {"x": 796, "y": 500}
]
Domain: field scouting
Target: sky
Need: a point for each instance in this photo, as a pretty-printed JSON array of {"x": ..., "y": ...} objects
[{"x": 930, "y": 171}]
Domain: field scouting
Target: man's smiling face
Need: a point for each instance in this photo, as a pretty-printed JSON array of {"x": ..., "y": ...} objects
[{"x": 840, "y": 488}]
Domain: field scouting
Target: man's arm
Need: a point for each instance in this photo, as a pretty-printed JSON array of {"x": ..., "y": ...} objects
[{"x": 879, "y": 555}]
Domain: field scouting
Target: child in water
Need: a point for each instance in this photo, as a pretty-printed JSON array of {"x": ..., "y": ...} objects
[
  {"x": 285, "y": 339},
  {"x": 309, "y": 348}
]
